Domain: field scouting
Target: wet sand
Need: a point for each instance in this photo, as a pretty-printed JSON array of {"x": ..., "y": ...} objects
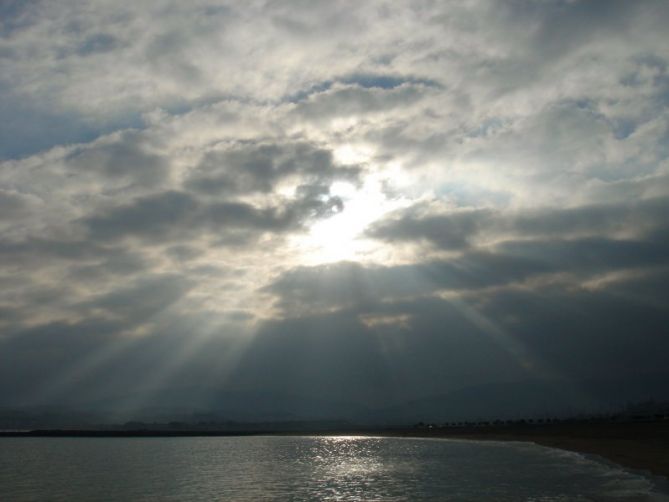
[{"x": 638, "y": 446}]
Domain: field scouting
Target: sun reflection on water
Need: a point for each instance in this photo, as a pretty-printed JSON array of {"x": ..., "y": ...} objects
[{"x": 347, "y": 465}]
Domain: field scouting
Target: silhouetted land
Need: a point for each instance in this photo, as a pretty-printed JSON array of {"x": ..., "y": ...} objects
[{"x": 636, "y": 445}]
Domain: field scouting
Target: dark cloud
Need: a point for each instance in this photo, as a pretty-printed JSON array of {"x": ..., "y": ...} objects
[
  {"x": 174, "y": 215},
  {"x": 607, "y": 334},
  {"x": 152, "y": 217},
  {"x": 108, "y": 264},
  {"x": 247, "y": 168},
  {"x": 586, "y": 333},
  {"x": 140, "y": 301},
  {"x": 505, "y": 336},
  {"x": 259, "y": 167},
  {"x": 556, "y": 246},
  {"x": 560, "y": 27},
  {"x": 33, "y": 356},
  {"x": 12, "y": 205},
  {"x": 636, "y": 216},
  {"x": 126, "y": 158},
  {"x": 590, "y": 256},
  {"x": 452, "y": 231},
  {"x": 16, "y": 15},
  {"x": 98, "y": 43},
  {"x": 458, "y": 229},
  {"x": 30, "y": 252},
  {"x": 346, "y": 284}
]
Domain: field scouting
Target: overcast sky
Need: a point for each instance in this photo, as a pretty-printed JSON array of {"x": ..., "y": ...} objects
[{"x": 368, "y": 201}]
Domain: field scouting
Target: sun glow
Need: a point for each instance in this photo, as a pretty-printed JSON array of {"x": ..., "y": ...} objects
[{"x": 341, "y": 236}]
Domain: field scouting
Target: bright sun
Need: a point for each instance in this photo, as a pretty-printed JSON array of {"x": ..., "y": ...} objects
[{"x": 341, "y": 237}]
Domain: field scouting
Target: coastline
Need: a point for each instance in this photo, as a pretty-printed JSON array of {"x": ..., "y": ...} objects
[{"x": 638, "y": 446}]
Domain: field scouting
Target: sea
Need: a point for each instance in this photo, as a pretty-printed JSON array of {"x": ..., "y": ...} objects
[{"x": 308, "y": 468}]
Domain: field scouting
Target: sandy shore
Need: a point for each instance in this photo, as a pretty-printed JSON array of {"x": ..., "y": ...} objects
[{"x": 639, "y": 446}]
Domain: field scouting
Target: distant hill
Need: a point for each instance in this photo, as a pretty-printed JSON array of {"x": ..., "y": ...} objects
[
  {"x": 526, "y": 399},
  {"x": 534, "y": 398}
]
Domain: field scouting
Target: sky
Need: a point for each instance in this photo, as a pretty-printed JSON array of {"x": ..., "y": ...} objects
[{"x": 368, "y": 203}]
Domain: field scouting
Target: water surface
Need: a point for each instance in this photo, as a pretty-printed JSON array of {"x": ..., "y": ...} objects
[{"x": 306, "y": 468}]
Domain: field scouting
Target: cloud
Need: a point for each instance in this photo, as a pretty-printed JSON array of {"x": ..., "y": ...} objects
[
  {"x": 120, "y": 158},
  {"x": 177, "y": 178},
  {"x": 259, "y": 167},
  {"x": 460, "y": 229},
  {"x": 12, "y": 205},
  {"x": 175, "y": 216},
  {"x": 145, "y": 298},
  {"x": 342, "y": 101},
  {"x": 97, "y": 43},
  {"x": 343, "y": 285},
  {"x": 549, "y": 331},
  {"x": 487, "y": 249},
  {"x": 452, "y": 231}
]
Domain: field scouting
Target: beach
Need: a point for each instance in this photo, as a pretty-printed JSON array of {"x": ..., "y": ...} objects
[{"x": 639, "y": 446}]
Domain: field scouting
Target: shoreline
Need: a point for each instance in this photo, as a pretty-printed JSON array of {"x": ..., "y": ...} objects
[
  {"x": 639, "y": 446},
  {"x": 636, "y": 446}
]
